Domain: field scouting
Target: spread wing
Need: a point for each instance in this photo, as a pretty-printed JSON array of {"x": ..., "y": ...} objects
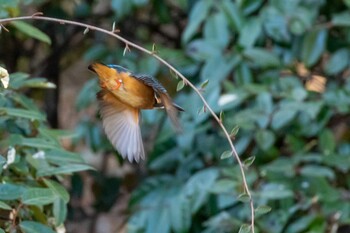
[{"x": 121, "y": 125}]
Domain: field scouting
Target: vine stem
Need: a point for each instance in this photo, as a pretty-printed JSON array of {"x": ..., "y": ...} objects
[{"x": 38, "y": 16}]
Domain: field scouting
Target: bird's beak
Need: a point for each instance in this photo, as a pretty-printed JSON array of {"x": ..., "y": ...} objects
[{"x": 92, "y": 67}]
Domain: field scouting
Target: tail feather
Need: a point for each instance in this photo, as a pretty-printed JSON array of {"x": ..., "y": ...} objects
[{"x": 172, "y": 110}]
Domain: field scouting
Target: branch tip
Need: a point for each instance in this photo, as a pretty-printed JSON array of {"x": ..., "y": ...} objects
[
  {"x": 126, "y": 49},
  {"x": 3, "y": 27},
  {"x": 37, "y": 14}
]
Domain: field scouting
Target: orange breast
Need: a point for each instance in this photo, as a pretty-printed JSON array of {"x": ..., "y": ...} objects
[
  {"x": 134, "y": 92},
  {"x": 127, "y": 89}
]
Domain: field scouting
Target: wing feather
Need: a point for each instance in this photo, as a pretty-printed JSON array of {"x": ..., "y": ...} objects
[{"x": 121, "y": 125}]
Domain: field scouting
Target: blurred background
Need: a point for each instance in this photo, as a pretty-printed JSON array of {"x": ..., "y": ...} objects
[{"x": 278, "y": 69}]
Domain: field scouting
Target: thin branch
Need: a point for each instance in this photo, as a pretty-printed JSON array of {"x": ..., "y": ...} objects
[{"x": 128, "y": 44}]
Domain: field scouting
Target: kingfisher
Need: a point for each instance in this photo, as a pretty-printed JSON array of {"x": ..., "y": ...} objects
[{"x": 123, "y": 94}]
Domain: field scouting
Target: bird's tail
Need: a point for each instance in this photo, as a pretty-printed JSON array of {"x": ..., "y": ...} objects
[{"x": 172, "y": 110}]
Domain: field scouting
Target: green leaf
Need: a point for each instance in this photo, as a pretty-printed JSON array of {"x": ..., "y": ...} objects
[
  {"x": 338, "y": 62},
  {"x": 32, "y": 115},
  {"x": 276, "y": 25},
  {"x": 260, "y": 210},
  {"x": 1, "y": 230},
  {"x": 341, "y": 19},
  {"x": 197, "y": 16},
  {"x": 243, "y": 198},
  {"x": 58, "y": 190},
  {"x": 250, "y": 33},
  {"x": 226, "y": 154},
  {"x": 265, "y": 139},
  {"x": 197, "y": 189},
  {"x": 34, "y": 227},
  {"x": 37, "y": 143},
  {"x": 10, "y": 191},
  {"x": 180, "y": 214},
  {"x": 317, "y": 171},
  {"x": 282, "y": 117},
  {"x": 4, "y": 206},
  {"x": 38, "y": 196},
  {"x": 216, "y": 30},
  {"x": 245, "y": 228},
  {"x": 180, "y": 85},
  {"x": 222, "y": 116},
  {"x": 274, "y": 191},
  {"x": 59, "y": 211},
  {"x": 234, "y": 131},
  {"x": 233, "y": 14},
  {"x": 327, "y": 143},
  {"x": 261, "y": 57},
  {"x": 38, "y": 83},
  {"x": 249, "y": 6},
  {"x": 224, "y": 186},
  {"x": 59, "y": 157},
  {"x": 313, "y": 46},
  {"x": 249, "y": 161},
  {"x": 65, "y": 169},
  {"x": 204, "y": 84},
  {"x": 31, "y": 31}
]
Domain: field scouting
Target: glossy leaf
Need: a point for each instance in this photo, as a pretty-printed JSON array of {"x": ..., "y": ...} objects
[
  {"x": 204, "y": 84},
  {"x": 216, "y": 30},
  {"x": 64, "y": 169},
  {"x": 265, "y": 139},
  {"x": 262, "y": 58},
  {"x": 245, "y": 228},
  {"x": 31, "y": 31},
  {"x": 338, "y": 62},
  {"x": 244, "y": 197},
  {"x": 317, "y": 171},
  {"x": 282, "y": 117},
  {"x": 226, "y": 154},
  {"x": 313, "y": 46},
  {"x": 180, "y": 85},
  {"x": 10, "y": 191},
  {"x": 327, "y": 142},
  {"x": 58, "y": 190},
  {"x": 234, "y": 131},
  {"x": 234, "y": 15},
  {"x": 38, "y": 196},
  {"x": 4, "y": 206},
  {"x": 32, "y": 115},
  {"x": 59, "y": 211},
  {"x": 249, "y": 161},
  {"x": 34, "y": 227},
  {"x": 260, "y": 210},
  {"x": 197, "y": 16},
  {"x": 341, "y": 19},
  {"x": 250, "y": 33}
]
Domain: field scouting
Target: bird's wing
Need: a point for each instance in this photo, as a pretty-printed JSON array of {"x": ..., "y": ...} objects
[
  {"x": 121, "y": 124},
  {"x": 171, "y": 108},
  {"x": 150, "y": 81}
]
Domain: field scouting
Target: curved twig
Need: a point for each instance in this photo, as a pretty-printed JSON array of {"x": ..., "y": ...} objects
[{"x": 38, "y": 16}]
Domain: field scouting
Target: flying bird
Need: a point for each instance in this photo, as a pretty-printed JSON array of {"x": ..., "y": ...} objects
[{"x": 123, "y": 94}]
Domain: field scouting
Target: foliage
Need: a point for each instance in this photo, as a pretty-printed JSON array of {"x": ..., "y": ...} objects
[
  {"x": 30, "y": 195},
  {"x": 280, "y": 72}
]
